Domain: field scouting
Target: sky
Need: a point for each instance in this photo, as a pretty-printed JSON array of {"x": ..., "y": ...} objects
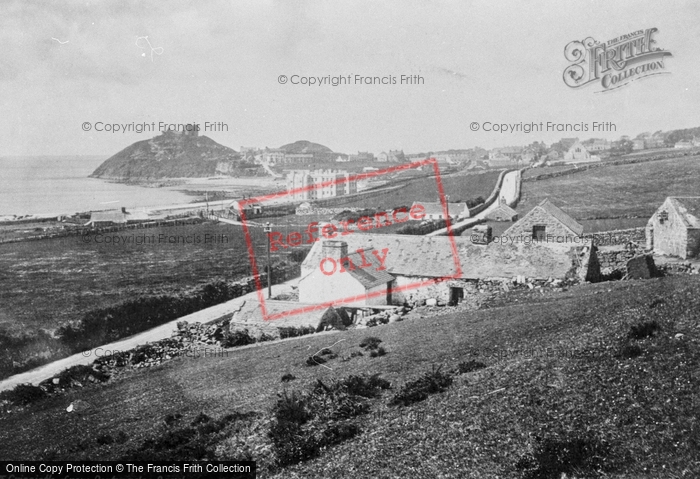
[{"x": 67, "y": 63}]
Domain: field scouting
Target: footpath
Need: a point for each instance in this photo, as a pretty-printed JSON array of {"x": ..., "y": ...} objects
[{"x": 209, "y": 315}]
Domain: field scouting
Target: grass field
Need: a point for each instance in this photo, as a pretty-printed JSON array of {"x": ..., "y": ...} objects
[
  {"x": 457, "y": 187},
  {"x": 559, "y": 366},
  {"x": 630, "y": 191}
]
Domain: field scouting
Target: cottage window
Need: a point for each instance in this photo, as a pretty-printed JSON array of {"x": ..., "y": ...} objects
[
  {"x": 538, "y": 232},
  {"x": 663, "y": 216}
]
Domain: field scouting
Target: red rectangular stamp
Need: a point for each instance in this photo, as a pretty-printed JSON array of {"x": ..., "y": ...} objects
[{"x": 347, "y": 265}]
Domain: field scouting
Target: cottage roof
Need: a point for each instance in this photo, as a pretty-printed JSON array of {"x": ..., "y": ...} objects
[
  {"x": 562, "y": 217},
  {"x": 502, "y": 210},
  {"x": 434, "y": 257},
  {"x": 370, "y": 276},
  {"x": 453, "y": 209},
  {"x": 688, "y": 208}
]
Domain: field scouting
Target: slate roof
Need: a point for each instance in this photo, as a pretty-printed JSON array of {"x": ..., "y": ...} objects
[
  {"x": 688, "y": 208},
  {"x": 371, "y": 276},
  {"x": 454, "y": 209},
  {"x": 433, "y": 256},
  {"x": 502, "y": 210},
  {"x": 562, "y": 217}
]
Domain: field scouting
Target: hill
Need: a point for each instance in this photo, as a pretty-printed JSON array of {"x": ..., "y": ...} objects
[
  {"x": 304, "y": 146},
  {"x": 597, "y": 380},
  {"x": 170, "y": 155}
]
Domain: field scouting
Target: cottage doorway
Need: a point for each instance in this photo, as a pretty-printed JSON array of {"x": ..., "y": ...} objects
[{"x": 456, "y": 296}]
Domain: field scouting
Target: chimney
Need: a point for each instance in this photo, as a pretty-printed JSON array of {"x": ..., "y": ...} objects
[
  {"x": 334, "y": 249},
  {"x": 124, "y": 209}
]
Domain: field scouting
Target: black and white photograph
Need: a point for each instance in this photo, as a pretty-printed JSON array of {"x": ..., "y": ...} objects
[{"x": 296, "y": 239}]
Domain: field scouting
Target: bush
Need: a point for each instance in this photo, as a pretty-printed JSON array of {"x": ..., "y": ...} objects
[
  {"x": 291, "y": 408},
  {"x": 365, "y": 387},
  {"x": 380, "y": 351},
  {"x": 23, "y": 394},
  {"x": 171, "y": 418},
  {"x": 470, "y": 366},
  {"x": 292, "y": 332},
  {"x": 370, "y": 343},
  {"x": 288, "y": 377},
  {"x": 237, "y": 338},
  {"x": 431, "y": 382},
  {"x": 579, "y": 456},
  {"x": 201, "y": 418},
  {"x": 314, "y": 360},
  {"x": 643, "y": 330},
  {"x": 104, "y": 439}
]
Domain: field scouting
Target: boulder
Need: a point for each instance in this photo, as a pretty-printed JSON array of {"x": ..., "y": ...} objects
[{"x": 431, "y": 302}]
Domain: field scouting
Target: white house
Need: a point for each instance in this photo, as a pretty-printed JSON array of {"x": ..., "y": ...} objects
[
  {"x": 434, "y": 211},
  {"x": 359, "y": 276}
]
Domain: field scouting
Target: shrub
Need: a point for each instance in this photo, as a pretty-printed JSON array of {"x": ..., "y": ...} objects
[
  {"x": 380, "y": 351},
  {"x": 237, "y": 338},
  {"x": 201, "y": 418},
  {"x": 288, "y": 377},
  {"x": 433, "y": 381},
  {"x": 23, "y": 394},
  {"x": 291, "y": 444},
  {"x": 314, "y": 360},
  {"x": 470, "y": 366},
  {"x": 171, "y": 418},
  {"x": 579, "y": 455},
  {"x": 643, "y": 330},
  {"x": 365, "y": 387},
  {"x": 370, "y": 343},
  {"x": 104, "y": 439},
  {"x": 81, "y": 373},
  {"x": 292, "y": 332},
  {"x": 291, "y": 408}
]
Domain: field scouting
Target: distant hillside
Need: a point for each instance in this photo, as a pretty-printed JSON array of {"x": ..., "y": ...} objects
[
  {"x": 304, "y": 146},
  {"x": 170, "y": 155}
]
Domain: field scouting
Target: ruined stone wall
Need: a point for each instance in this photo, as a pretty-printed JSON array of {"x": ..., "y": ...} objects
[{"x": 670, "y": 237}]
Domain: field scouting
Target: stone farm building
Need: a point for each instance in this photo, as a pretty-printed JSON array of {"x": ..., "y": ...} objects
[
  {"x": 546, "y": 222},
  {"x": 502, "y": 212},
  {"x": 412, "y": 260},
  {"x": 674, "y": 229}
]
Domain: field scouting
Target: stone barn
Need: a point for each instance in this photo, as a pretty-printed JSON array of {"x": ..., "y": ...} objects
[
  {"x": 547, "y": 223},
  {"x": 674, "y": 229},
  {"x": 502, "y": 212},
  {"x": 442, "y": 272}
]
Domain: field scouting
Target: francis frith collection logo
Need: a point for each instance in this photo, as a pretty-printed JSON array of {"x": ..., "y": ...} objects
[{"x": 614, "y": 63}]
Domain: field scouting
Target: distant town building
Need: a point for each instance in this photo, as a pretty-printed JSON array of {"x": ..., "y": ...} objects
[
  {"x": 674, "y": 229},
  {"x": 578, "y": 153},
  {"x": 394, "y": 156},
  {"x": 637, "y": 145},
  {"x": 361, "y": 156},
  {"x": 434, "y": 211},
  {"x": 683, "y": 144},
  {"x": 597, "y": 144},
  {"x": 335, "y": 186}
]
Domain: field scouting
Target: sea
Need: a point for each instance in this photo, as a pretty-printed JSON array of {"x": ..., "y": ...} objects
[{"x": 51, "y": 185}]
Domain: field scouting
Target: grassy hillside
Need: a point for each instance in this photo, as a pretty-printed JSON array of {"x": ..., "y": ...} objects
[
  {"x": 457, "y": 187},
  {"x": 633, "y": 190},
  {"x": 597, "y": 378}
]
